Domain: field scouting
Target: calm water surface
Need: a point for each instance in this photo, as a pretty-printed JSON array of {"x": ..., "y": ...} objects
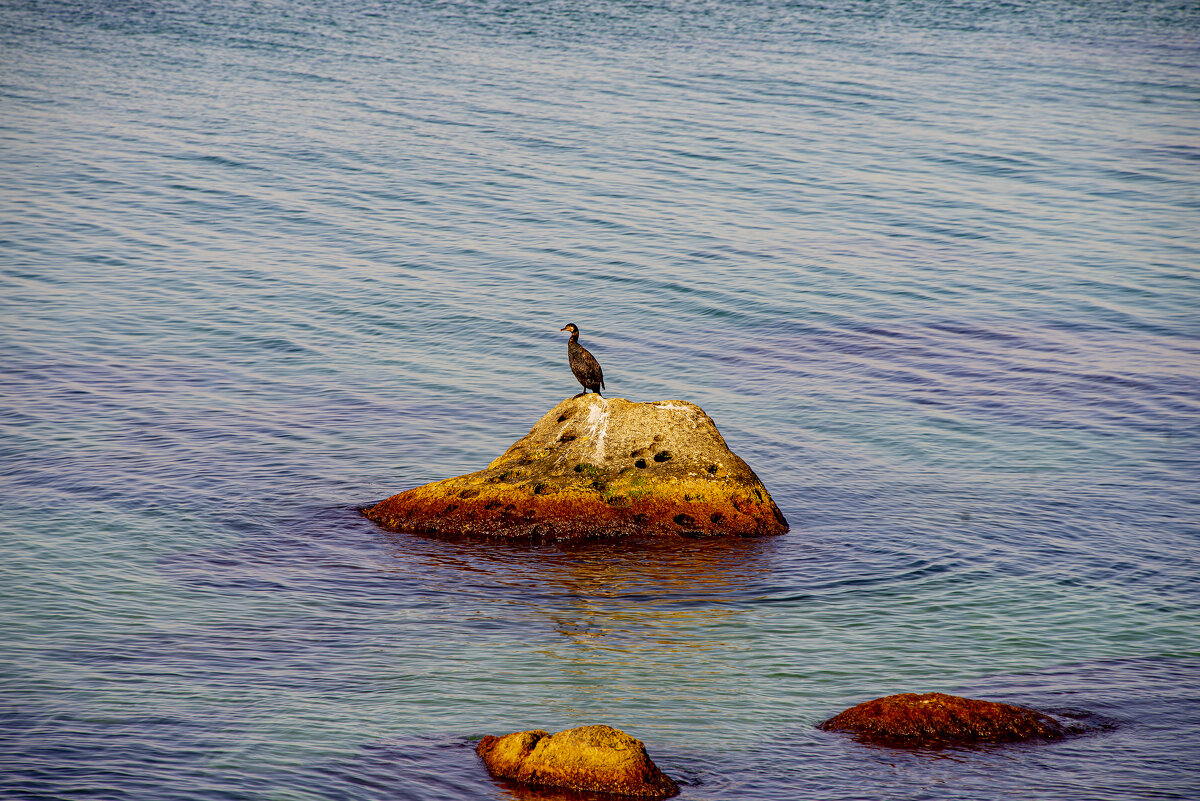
[{"x": 931, "y": 267}]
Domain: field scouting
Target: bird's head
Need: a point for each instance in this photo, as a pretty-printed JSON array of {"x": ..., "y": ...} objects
[{"x": 570, "y": 327}]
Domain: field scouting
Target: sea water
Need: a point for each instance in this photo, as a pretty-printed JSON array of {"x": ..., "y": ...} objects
[{"x": 931, "y": 267}]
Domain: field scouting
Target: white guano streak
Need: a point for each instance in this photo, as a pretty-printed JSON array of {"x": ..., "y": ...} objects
[
  {"x": 598, "y": 420},
  {"x": 675, "y": 407}
]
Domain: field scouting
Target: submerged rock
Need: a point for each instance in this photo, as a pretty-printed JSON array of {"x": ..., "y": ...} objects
[
  {"x": 597, "y": 467},
  {"x": 590, "y": 758},
  {"x": 935, "y": 719}
]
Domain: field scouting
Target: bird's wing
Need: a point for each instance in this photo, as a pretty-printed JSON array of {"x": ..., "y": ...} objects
[{"x": 595, "y": 365}]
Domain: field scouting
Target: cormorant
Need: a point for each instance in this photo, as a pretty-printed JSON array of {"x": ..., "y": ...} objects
[{"x": 583, "y": 364}]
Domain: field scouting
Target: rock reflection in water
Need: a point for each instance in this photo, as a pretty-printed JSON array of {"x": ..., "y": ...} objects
[
  {"x": 614, "y": 622},
  {"x": 511, "y": 791}
]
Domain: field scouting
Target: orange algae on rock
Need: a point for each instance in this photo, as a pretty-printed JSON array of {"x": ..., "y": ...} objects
[
  {"x": 597, "y": 467},
  {"x": 936, "y": 719},
  {"x": 588, "y": 758}
]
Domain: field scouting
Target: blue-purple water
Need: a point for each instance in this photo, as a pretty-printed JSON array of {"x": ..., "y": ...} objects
[{"x": 933, "y": 268}]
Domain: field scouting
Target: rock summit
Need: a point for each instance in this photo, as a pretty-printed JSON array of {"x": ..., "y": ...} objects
[{"x": 596, "y": 467}]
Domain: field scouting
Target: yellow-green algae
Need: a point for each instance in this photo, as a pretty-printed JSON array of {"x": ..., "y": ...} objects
[{"x": 590, "y": 758}]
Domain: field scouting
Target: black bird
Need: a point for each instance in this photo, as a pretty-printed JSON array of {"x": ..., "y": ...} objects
[{"x": 583, "y": 364}]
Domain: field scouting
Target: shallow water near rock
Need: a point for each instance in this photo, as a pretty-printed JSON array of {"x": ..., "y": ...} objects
[{"x": 930, "y": 268}]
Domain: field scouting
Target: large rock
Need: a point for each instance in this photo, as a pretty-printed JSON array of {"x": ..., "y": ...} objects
[
  {"x": 936, "y": 719},
  {"x": 598, "y": 467},
  {"x": 591, "y": 758}
]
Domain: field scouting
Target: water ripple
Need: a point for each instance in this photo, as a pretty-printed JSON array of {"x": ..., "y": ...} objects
[{"x": 929, "y": 267}]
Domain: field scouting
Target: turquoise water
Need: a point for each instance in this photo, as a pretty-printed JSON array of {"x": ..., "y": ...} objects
[{"x": 932, "y": 269}]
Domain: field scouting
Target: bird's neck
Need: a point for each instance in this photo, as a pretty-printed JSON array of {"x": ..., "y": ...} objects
[{"x": 574, "y": 338}]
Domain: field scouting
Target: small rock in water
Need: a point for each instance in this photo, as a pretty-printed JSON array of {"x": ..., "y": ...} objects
[
  {"x": 597, "y": 467},
  {"x": 589, "y": 758},
  {"x": 935, "y": 719}
]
